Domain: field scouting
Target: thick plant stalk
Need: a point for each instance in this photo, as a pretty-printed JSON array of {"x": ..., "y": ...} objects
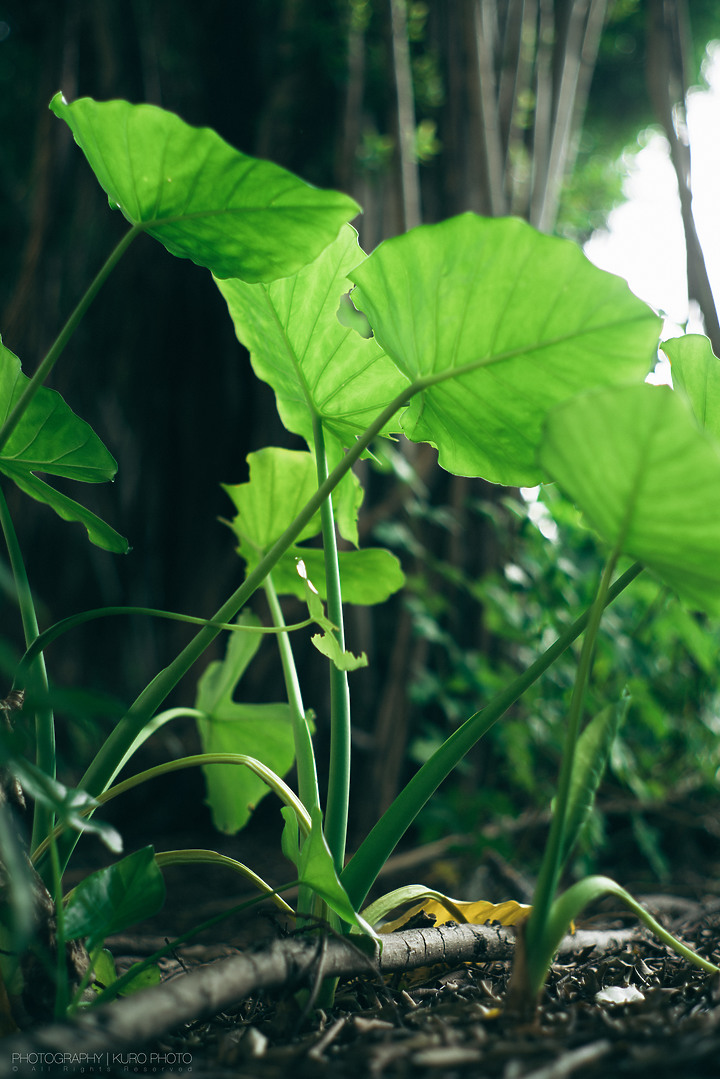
[{"x": 336, "y": 812}]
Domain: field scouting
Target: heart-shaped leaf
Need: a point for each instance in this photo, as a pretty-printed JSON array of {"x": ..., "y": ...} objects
[
  {"x": 51, "y": 439},
  {"x": 202, "y": 199},
  {"x": 497, "y": 323},
  {"x": 648, "y": 480}
]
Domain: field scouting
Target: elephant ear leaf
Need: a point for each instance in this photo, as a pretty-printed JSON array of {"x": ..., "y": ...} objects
[
  {"x": 51, "y": 439},
  {"x": 202, "y": 199},
  {"x": 495, "y": 324},
  {"x": 647, "y": 478}
]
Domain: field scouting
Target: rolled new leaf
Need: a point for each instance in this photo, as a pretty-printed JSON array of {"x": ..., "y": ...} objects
[{"x": 203, "y": 200}]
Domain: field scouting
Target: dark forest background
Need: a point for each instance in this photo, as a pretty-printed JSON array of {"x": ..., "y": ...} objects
[{"x": 419, "y": 110}]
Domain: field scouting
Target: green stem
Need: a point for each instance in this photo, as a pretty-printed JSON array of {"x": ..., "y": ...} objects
[
  {"x": 105, "y": 764},
  {"x": 551, "y": 866},
  {"x": 336, "y": 813},
  {"x": 44, "y": 719},
  {"x": 64, "y": 336},
  {"x": 304, "y": 754},
  {"x": 46, "y": 638},
  {"x": 361, "y": 871},
  {"x": 276, "y": 784}
]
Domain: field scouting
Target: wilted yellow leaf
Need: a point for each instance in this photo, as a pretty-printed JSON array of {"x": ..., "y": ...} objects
[{"x": 443, "y": 910}]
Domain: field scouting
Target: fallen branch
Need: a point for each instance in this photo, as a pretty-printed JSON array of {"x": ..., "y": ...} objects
[{"x": 287, "y": 964}]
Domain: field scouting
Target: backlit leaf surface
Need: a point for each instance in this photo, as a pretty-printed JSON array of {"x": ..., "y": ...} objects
[
  {"x": 696, "y": 374},
  {"x": 281, "y": 482},
  {"x": 315, "y": 365},
  {"x": 202, "y": 199},
  {"x": 526, "y": 316},
  {"x": 647, "y": 478}
]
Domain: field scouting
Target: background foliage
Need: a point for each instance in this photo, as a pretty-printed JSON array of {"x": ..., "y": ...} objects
[{"x": 325, "y": 88}]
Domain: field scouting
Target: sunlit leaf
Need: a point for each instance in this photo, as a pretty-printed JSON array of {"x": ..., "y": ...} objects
[
  {"x": 51, "y": 439},
  {"x": 263, "y": 731},
  {"x": 527, "y": 318},
  {"x": 696, "y": 375},
  {"x": 114, "y": 898},
  {"x": 647, "y": 479},
  {"x": 315, "y": 365},
  {"x": 281, "y": 482},
  {"x": 202, "y": 199}
]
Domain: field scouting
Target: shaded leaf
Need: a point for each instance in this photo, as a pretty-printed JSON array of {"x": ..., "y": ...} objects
[
  {"x": 203, "y": 200},
  {"x": 317, "y": 871},
  {"x": 263, "y": 731},
  {"x": 51, "y": 439},
  {"x": 526, "y": 317},
  {"x": 647, "y": 479},
  {"x": 69, "y": 805},
  {"x": 114, "y": 898}
]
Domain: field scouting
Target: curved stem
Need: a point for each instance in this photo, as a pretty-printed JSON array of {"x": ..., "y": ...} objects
[
  {"x": 285, "y": 793},
  {"x": 211, "y": 857},
  {"x": 304, "y": 754},
  {"x": 361, "y": 871},
  {"x": 64, "y": 336},
  {"x": 42, "y": 640}
]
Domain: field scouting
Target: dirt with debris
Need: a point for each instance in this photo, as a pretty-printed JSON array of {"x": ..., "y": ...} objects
[{"x": 634, "y": 1008}]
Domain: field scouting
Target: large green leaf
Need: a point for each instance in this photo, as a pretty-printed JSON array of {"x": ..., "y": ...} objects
[
  {"x": 526, "y": 318},
  {"x": 648, "y": 480},
  {"x": 316, "y": 365},
  {"x": 114, "y": 898},
  {"x": 281, "y": 482},
  {"x": 51, "y": 439},
  {"x": 202, "y": 199},
  {"x": 263, "y": 731},
  {"x": 696, "y": 375}
]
